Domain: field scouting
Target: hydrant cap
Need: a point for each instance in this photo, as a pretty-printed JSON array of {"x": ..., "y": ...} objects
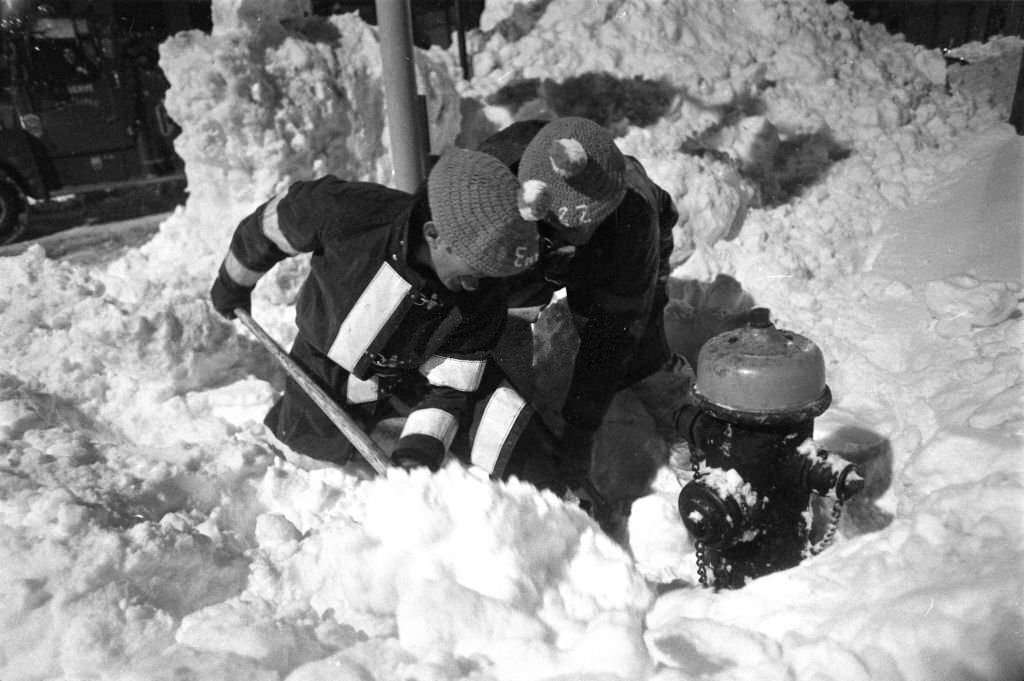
[{"x": 760, "y": 369}]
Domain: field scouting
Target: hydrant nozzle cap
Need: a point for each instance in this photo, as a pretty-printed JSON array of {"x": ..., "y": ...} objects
[
  {"x": 850, "y": 483},
  {"x": 708, "y": 517}
]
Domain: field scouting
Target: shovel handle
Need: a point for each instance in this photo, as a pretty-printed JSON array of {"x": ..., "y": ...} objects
[{"x": 348, "y": 427}]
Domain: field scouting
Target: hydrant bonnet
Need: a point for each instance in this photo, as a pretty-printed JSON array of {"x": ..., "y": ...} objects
[{"x": 762, "y": 373}]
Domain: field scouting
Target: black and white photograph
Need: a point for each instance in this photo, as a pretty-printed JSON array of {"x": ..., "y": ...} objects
[{"x": 511, "y": 340}]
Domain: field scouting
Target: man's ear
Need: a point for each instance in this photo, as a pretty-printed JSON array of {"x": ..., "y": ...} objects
[{"x": 431, "y": 233}]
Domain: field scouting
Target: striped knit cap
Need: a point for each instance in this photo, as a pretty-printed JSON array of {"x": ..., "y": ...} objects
[
  {"x": 573, "y": 169},
  {"x": 473, "y": 203}
]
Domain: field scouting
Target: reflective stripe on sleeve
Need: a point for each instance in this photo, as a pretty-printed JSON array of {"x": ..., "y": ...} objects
[
  {"x": 239, "y": 273},
  {"x": 376, "y": 304},
  {"x": 437, "y": 423},
  {"x": 461, "y": 374},
  {"x": 504, "y": 416},
  {"x": 272, "y": 228},
  {"x": 361, "y": 392}
]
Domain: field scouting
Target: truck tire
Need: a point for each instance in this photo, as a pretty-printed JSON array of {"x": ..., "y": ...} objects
[{"x": 12, "y": 210}]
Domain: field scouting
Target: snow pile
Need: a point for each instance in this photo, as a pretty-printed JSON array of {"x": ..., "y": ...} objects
[
  {"x": 452, "y": 567},
  {"x": 797, "y": 86},
  {"x": 274, "y": 96},
  {"x": 149, "y": 532}
]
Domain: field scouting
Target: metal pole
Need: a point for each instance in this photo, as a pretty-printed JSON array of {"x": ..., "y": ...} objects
[
  {"x": 460, "y": 25},
  {"x": 1017, "y": 106},
  {"x": 408, "y": 147}
]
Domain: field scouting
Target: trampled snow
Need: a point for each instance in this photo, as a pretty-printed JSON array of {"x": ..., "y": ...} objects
[{"x": 150, "y": 532}]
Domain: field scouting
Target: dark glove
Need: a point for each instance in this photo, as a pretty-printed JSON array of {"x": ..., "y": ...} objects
[
  {"x": 415, "y": 451},
  {"x": 227, "y": 295}
]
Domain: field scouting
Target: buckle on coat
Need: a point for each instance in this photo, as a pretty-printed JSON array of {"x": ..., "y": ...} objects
[
  {"x": 391, "y": 372},
  {"x": 422, "y": 300},
  {"x": 384, "y": 363}
]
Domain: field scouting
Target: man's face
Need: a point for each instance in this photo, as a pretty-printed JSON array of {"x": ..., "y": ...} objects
[{"x": 454, "y": 272}]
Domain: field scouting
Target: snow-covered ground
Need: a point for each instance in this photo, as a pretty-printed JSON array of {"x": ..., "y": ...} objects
[{"x": 149, "y": 532}]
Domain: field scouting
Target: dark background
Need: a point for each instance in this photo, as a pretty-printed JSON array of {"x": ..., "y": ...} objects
[{"x": 932, "y": 23}]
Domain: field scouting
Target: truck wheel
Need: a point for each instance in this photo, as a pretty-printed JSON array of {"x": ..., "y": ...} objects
[{"x": 12, "y": 211}]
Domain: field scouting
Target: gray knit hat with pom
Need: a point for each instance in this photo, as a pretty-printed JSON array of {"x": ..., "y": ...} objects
[
  {"x": 473, "y": 203},
  {"x": 572, "y": 169}
]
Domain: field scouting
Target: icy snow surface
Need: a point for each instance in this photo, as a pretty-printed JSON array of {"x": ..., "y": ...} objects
[{"x": 150, "y": 533}]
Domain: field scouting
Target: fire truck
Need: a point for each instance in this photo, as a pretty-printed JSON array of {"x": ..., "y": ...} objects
[{"x": 81, "y": 108}]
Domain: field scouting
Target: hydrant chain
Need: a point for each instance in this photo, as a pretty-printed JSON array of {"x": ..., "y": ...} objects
[
  {"x": 830, "y": 532},
  {"x": 698, "y": 545}
]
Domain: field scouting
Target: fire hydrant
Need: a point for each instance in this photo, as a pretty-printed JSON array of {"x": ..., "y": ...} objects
[{"x": 757, "y": 392}]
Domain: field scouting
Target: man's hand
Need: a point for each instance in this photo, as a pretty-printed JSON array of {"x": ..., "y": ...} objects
[
  {"x": 227, "y": 295},
  {"x": 416, "y": 451}
]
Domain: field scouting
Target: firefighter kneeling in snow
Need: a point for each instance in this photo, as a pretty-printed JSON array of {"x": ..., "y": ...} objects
[
  {"x": 606, "y": 233},
  {"x": 402, "y": 304}
]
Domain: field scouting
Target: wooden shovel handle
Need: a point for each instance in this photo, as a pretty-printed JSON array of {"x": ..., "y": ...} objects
[{"x": 348, "y": 427}]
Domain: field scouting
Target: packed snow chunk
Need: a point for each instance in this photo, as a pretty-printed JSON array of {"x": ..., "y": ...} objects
[
  {"x": 241, "y": 402},
  {"x": 248, "y": 629},
  {"x": 331, "y": 669},
  {"x": 706, "y": 649},
  {"x": 102, "y": 640},
  {"x": 962, "y": 301},
  {"x": 660, "y": 543},
  {"x": 109, "y": 597},
  {"x": 715, "y": 203},
  {"x": 16, "y": 416},
  {"x": 443, "y": 616},
  {"x": 961, "y": 455},
  {"x": 176, "y": 662},
  {"x": 375, "y": 659},
  {"x": 1004, "y": 408},
  {"x": 306, "y": 499},
  {"x": 458, "y": 564}
]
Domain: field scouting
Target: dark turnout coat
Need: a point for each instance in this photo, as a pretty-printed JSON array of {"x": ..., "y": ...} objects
[{"x": 368, "y": 319}]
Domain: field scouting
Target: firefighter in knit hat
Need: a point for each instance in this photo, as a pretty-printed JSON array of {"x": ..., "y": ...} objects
[
  {"x": 402, "y": 298},
  {"x": 606, "y": 235}
]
